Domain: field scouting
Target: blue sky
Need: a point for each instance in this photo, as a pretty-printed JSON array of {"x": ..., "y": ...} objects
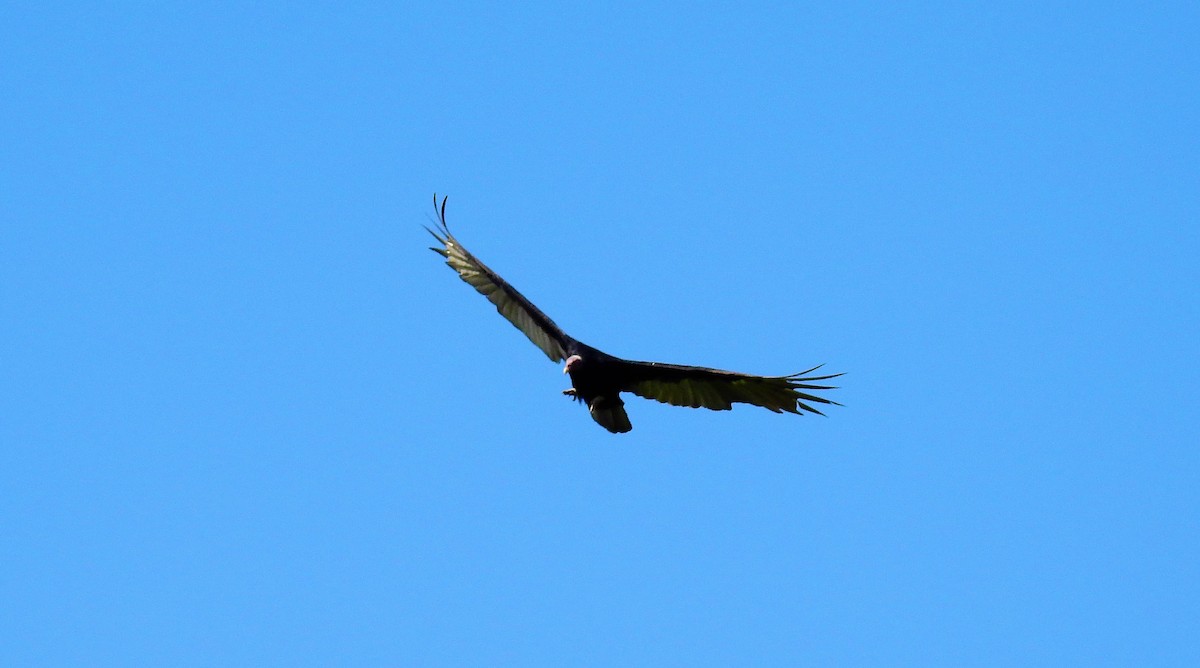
[{"x": 247, "y": 418}]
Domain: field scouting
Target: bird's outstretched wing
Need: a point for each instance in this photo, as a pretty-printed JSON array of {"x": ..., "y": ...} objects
[
  {"x": 511, "y": 304},
  {"x": 699, "y": 387}
]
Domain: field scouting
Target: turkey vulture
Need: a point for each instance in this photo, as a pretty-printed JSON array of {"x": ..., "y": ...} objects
[{"x": 599, "y": 378}]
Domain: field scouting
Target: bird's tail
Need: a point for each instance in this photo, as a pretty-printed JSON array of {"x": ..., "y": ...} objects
[{"x": 609, "y": 412}]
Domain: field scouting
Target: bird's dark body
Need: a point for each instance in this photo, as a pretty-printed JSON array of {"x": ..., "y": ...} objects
[
  {"x": 593, "y": 377},
  {"x": 598, "y": 379}
]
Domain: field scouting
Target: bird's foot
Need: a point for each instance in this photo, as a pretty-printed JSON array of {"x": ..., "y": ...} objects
[{"x": 569, "y": 392}]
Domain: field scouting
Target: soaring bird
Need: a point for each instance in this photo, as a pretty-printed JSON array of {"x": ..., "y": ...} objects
[{"x": 598, "y": 379}]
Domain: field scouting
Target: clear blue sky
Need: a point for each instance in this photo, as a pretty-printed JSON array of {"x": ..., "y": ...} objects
[{"x": 247, "y": 418}]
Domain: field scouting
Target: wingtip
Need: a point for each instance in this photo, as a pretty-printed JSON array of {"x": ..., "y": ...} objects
[
  {"x": 439, "y": 209},
  {"x": 803, "y": 375}
]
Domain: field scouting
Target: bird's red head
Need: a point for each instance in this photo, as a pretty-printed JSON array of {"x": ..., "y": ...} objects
[{"x": 572, "y": 362}]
